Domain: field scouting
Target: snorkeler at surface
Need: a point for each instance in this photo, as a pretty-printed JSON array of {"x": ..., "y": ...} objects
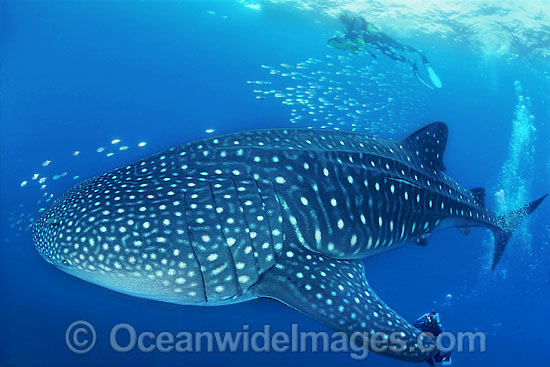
[
  {"x": 359, "y": 33},
  {"x": 430, "y": 324}
]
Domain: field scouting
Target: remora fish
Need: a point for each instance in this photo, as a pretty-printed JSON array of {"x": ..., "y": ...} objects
[{"x": 285, "y": 214}]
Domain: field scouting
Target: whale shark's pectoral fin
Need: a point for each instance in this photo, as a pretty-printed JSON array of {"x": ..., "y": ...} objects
[{"x": 336, "y": 294}]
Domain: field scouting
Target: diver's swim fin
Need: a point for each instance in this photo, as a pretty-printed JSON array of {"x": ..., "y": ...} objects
[
  {"x": 431, "y": 73},
  {"x": 415, "y": 70},
  {"x": 433, "y": 76}
]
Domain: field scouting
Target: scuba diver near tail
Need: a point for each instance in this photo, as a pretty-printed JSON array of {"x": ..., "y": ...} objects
[
  {"x": 430, "y": 324},
  {"x": 359, "y": 34}
]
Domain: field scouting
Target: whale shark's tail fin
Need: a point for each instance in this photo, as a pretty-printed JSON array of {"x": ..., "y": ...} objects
[{"x": 508, "y": 224}]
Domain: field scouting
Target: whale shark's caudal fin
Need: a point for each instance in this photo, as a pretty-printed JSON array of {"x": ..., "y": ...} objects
[
  {"x": 508, "y": 224},
  {"x": 336, "y": 294}
]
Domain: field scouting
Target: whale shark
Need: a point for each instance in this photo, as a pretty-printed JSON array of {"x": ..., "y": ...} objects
[{"x": 287, "y": 214}]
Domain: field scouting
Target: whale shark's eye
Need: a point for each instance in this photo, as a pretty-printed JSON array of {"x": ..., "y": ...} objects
[{"x": 64, "y": 261}]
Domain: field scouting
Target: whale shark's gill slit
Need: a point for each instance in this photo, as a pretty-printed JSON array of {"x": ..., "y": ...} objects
[
  {"x": 208, "y": 242},
  {"x": 278, "y": 210},
  {"x": 262, "y": 201},
  {"x": 255, "y": 218},
  {"x": 247, "y": 225},
  {"x": 228, "y": 209},
  {"x": 193, "y": 247},
  {"x": 272, "y": 209},
  {"x": 273, "y": 214},
  {"x": 320, "y": 193},
  {"x": 226, "y": 245}
]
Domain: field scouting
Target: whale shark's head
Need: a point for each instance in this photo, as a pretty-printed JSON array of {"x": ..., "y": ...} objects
[
  {"x": 77, "y": 235},
  {"x": 107, "y": 231},
  {"x": 45, "y": 234},
  {"x": 60, "y": 235}
]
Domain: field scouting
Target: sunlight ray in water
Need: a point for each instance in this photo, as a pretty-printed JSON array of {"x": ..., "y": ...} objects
[
  {"x": 482, "y": 25},
  {"x": 518, "y": 170}
]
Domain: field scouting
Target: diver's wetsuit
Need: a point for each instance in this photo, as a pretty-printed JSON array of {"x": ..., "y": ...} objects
[
  {"x": 429, "y": 323},
  {"x": 357, "y": 26}
]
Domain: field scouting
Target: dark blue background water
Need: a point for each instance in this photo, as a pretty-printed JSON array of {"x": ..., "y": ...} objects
[{"x": 76, "y": 75}]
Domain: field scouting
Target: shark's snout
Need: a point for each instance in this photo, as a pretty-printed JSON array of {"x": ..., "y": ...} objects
[
  {"x": 45, "y": 234},
  {"x": 41, "y": 239}
]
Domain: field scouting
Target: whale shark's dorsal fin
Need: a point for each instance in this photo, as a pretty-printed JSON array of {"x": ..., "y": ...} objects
[
  {"x": 428, "y": 144},
  {"x": 336, "y": 294}
]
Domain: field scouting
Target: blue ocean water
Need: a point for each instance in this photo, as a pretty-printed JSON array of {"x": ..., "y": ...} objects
[{"x": 84, "y": 83}]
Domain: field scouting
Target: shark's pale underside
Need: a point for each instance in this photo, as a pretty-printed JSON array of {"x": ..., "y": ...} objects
[{"x": 285, "y": 214}]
